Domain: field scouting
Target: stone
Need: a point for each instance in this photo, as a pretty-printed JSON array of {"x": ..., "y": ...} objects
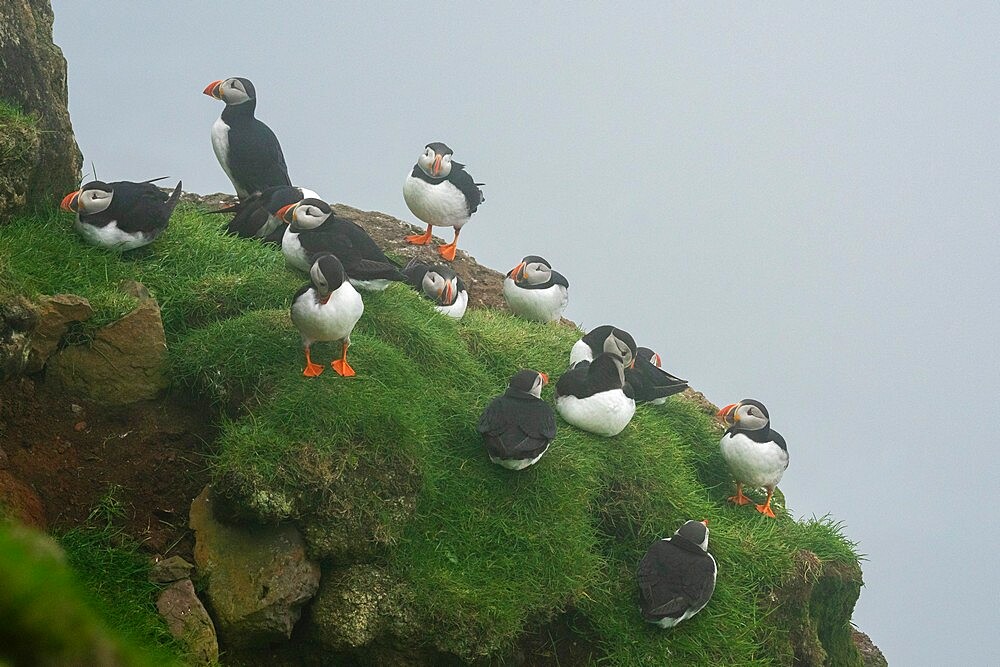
[
  {"x": 257, "y": 579},
  {"x": 19, "y": 501},
  {"x": 19, "y": 155},
  {"x": 170, "y": 569},
  {"x": 189, "y": 622},
  {"x": 55, "y": 314},
  {"x": 126, "y": 361},
  {"x": 18, "y": 320},
  {"x": 871, "y": 655},
  {"x": 33, "y": 76},
  {"x": 352, "y": 607}
]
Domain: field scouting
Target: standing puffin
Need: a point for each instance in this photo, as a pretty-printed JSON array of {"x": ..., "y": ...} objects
[
  {"x": 246, "y": 148},
  {"x": 594, "y": 396},
  {"x": 755, "y": 453},
  {"x": 518, "y": 426},
  {"x": 327, "y": 310},
  {"x": 313, "y": 228},
  {"x": 255, "y": 216},
  {"x": 440, "y": 284},
  {"x": 533, "y": 291},
  {"x": 441, "y": 193},
  {"x": 677, "y": 576},
  {"x": 593, "y": 343},
  {"x": 121, "y": 215},
  {"x": 649, "y": 381}
]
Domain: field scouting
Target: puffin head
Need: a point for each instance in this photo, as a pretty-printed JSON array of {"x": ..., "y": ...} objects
[
  {"x": 695, "y": 532},
  {"x": 747, "y": 415},
  {"x": 621, "y": 343},
  {"x": 304, "y": 215},
  {"x": 435, "y": 161},
  {"x": 326, "y": 275},
  {"x": 529, "y": 381},
  {"x": 533, "y": 270},
  {"x": 92, "y": 197},
  {"x": 440, "y": 284},
  {"x": 647, "y": 355},
  {"x": 234, "y": 90}
]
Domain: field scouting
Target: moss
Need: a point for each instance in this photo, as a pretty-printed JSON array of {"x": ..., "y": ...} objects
[{"x": 19, "y": 146}]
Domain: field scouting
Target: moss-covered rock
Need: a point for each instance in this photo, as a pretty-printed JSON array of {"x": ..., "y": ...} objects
[{"x": 19, "y": 156}]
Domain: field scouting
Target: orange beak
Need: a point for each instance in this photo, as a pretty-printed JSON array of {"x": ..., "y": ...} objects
[
  {"x": 517, "y": 273},
  {"x": 448, "y": 294},
  {"x": 705, "y": 522},
  {"x": 212, "y": 89},
  {"x": 545, "y": 379},
  {"x": 657, "y": 361},
  {"x": 725, "y": 413},
  {"x": 282, "y": 213},
  {"x": 437, "y": 165},
  {"x": 69, "y": 202}
]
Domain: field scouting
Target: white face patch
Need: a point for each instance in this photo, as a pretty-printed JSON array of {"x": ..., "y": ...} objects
[
  {"x": 750, "y": 417},
  {"x": 537, "y": 273},
  {"x": 318, "y": 279},
  {"x": 94, "y": 201},
  {"x": 233, "y": 92},
  {"x": 309, "y": 216}
]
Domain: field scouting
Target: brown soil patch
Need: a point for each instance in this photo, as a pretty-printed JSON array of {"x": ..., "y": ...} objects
[{"x": 72, "y": 453}]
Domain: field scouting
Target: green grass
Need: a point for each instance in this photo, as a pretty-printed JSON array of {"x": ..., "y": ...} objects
[
  {"x": 388, "y": 467},
  {"x": 10, "y": 112}
]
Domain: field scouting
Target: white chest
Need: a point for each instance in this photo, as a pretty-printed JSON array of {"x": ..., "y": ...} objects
[
  {"x": 295, "y": 254},
  {"x": 440, "y": 204},
  {"x": 220, "y": 144},
  {"x": 110, "y": 236},
  {"x": 518, "y": 464},
  {"x": 753, "y": 463},
  {"x": 606, "y": 413},
  {"x": 537, "y": 305},
  {"x": 330, "y": 321},
  {"x": 580, "y": 352},
  {"x": 457, "y": 309}
]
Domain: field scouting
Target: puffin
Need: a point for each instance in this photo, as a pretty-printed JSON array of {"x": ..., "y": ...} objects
[
  {"x": 441, "y": 193},
  {"x": 518, "y": 426},
  {"x": 592, "y": 344},
  {"x": 440, "y": 284},
  {"x": 649, "y": 381},
  {"x": 594, "y": 396},
  {"x": 533, "y": 291},
  {"x": 677, "y": 576},
  {"x": 255, "y": 216},
  {"x": 121, "y": 215},
  {"x": 326, "y": 310},
  {"x": 314, "y": 228},
  {"x": 755, "y": 453},
  {"x": 246, "y": 148}
]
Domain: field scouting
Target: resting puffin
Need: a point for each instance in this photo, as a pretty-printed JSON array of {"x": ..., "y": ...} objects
[
  {"x": 440, "y": 284},
  {"x": 594, "y": 396},
  {"x": 677, "y": 576},
  {"x": 121, "y": 215},
  {"x": 755, "y": 453},
  {"x": 255, "y": 216},
  {"x": 518, "y": 426},
  {"x": 246, "y": 148},
  {"x": 441, "y": 193},
  {"x": 533, "y": 291},
  {"x": 651, "y": 383},
  {"x": 592, "y": 344},
  {"x": 314, "y": 228},
  {"x": 327, "y": 310}
]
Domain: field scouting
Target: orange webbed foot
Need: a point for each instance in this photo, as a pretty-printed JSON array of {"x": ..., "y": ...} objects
[
  {"x": 447, "y": 251},
  {"x": 766, "y": 510},
  {"x": 739, "y": 499},
  {"x": 420, "y": 239},
  {"x": 342, "y": 368},
  {"x": 312, "y": 370}
]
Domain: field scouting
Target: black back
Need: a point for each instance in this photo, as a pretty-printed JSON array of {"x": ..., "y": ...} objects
[
  {"x": 674, "y": 576},
  {"x": 517, "y": 425},
  {"x": 255, "y": 158},
  {"x": 137, "y": 207},
  {"x": 650, "y": 382},
  {"x": 254, "y": 212},
  {"x": 357, "y": 251},
  {"x": 589, "y": 378}
]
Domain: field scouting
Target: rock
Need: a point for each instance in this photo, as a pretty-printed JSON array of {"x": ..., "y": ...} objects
[
  {"x": 55, "y": 314},
  {"x": 170, "y": 569},
  {"x": 19, "y": 154},
  {"x": 18, "y": 500},
  {"x": 126, "y": 361},
  {"x": 33, "y": 76},
  {"x": 189, "y": 622},
  {"x": 352, "y": 607},
  {"x": 871, "y": 655},
  {"x": 18, "y": 320},
  {"x": 257, "y": 579}
]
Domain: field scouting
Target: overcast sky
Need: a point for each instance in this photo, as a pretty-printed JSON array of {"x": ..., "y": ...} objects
[{"x": 795, "y": 203}]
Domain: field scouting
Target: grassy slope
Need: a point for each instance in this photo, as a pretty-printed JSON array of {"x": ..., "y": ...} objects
[{"x": 485, "y": 552}]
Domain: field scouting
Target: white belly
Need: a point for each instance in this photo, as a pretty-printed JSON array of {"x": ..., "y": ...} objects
[
  {"x": 537, "y": 305},
  {"x": 441, "y": 204},
  {"x": 457, "y": 309},
  {"x": 518, "y": 464},
  {"x": 109, "y": 236},
  {"x": 753, "y": 463},
  {"x": 606, "y": 413},
  {"x": 220, "y": 144},
  {"x": 295, "y": 255},
  {"x": 330, "y": 321},
  {"x": 376, "y": 285},
  {"x": 580, "y": 352}
]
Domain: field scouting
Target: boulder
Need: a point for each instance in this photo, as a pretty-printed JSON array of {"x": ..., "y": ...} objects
[
  {"x": 169, "y": 570},
  {"x": 18, "y": 320},
  {"x": 871, "y": 655},
  {"x": 353, "y": 607},
  {"x": 125, "y": 362},
  {"x": 33, "y": 76},
  {"x": 189, "y": 622},
  {"x": 19, "y": 155},
  {"x": 257, "y": 579},
  {"x": 55, "y": 314}
]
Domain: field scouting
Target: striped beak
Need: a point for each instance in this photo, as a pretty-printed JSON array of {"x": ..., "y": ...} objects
[
  {"x": 213, "y": 89},
  {"x": 517, "y": 273},
  {"x": 69, "y": 202},
  {"x": 545, "y": 378},
  {"x": 728, "y": 413},
  {"x": 437, "y": 166},
  {"x": 286, "y": 213}
]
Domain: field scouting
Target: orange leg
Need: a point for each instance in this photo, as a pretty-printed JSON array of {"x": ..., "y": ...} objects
[
  {"x": 421, "y": 239},
  {"x": 341, "y": 366},
  {"x": 739, "y": 498},
  {"x": 447, "y": 251},
  {"x": 765, "y": 509},
  {"x": 312, "y": 370}
]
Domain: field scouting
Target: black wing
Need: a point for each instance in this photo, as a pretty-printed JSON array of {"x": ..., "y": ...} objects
[
  {"x": 255, "y": 157},
  {"x": 650, "y": 382},
  {"x": 559, "y": 279},
  {"x": 335, "y": 239},
  {"x": 140, "y": 207},
  {"x": 461, "y": 179},
  {"x": 671, "y": 581},
  {"x": 517, "y": 428}
]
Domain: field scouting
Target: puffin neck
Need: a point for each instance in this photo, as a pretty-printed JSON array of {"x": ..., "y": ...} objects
[
  {"x": 517, "y": 393},
  {"x": 686, "y": 544},
  {"x": 422, "y": 175},
  {"x": 239, "y": 111}
]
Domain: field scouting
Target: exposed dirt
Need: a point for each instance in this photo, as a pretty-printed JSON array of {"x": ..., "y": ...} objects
[{"x": 143, "y": 463}]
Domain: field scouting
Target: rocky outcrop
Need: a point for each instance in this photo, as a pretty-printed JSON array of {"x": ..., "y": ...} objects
[
  {"x": 19, "y": 501},
  {"x": 18, "y": 320},
  {"x": 356, "y": 606},
  {"x": 19, "y": 154},
  {"x": 257, "y": 579},
  {"x": 871, "y": 655},
  {"x": 33, "y": 76},
  {"x": 55, "y": 315},
  {"x": 188, "y": 621}
]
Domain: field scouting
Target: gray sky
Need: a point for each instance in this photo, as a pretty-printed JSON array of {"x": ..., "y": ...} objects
[{"x": 796, "y": 203}]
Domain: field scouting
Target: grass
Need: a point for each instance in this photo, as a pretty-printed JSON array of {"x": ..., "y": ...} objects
[{"x": 387, "y": 467}]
